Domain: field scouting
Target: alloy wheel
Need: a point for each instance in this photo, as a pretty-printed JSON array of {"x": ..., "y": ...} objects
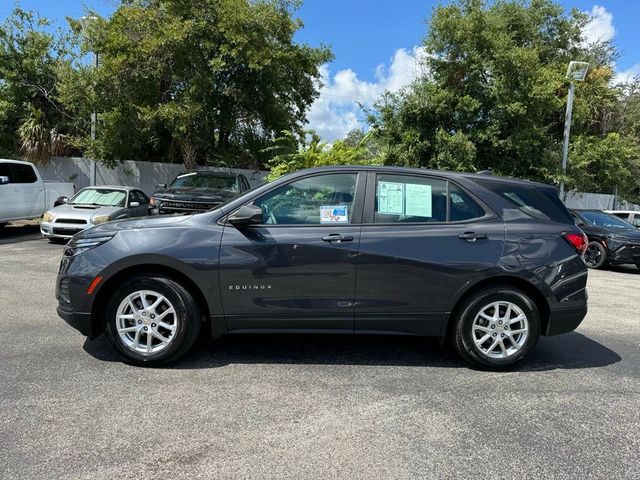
[
  {"x": 500, "y": 329},
  {"x": 146, "y": 322},
  {"x": 592, "y": 255}
]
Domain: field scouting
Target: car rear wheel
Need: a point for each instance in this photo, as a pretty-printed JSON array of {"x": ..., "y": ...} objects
[
  {"x": 497, "y": 327},
  {"x": 152, "y": 320},
  {"x": 595, "y": 255}
]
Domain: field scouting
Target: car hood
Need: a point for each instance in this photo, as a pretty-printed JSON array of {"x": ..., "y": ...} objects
[
  {"x": 82, "y": 211},
  {"x": 629, "y": 234},
  {"x": 135, "y": 224},
  {"x": 194, "y": 194}
]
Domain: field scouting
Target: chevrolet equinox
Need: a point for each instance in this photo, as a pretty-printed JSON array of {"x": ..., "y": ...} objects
[{"x": 487, "y": 263}]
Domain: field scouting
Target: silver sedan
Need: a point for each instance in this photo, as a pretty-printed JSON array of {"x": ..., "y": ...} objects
[{"x": 92, "y": 206}]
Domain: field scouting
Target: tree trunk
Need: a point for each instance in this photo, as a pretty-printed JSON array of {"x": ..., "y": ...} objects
[{"x": 189, "y": 155}]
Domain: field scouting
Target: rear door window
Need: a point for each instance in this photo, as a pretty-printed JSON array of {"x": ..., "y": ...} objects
[
  {"x": 535, "y": 201},
  {"x": 23, "y": 173},
  {"x": 417, "y": 199}
]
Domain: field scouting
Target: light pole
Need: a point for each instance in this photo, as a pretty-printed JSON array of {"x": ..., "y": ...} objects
[
  {"x": 86, "y": 22},
  {"x": 577, "y": 71}
]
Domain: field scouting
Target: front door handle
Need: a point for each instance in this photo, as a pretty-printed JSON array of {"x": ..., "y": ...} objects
[
  {"x": 472, "y": 236},
  {"x": 337, "y": 238}
]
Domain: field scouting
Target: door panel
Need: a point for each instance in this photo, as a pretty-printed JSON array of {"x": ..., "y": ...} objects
[
  {"x": 288, "y": 277},
  {"x": 298, "y": 269},
  {"x": 408, "y": 273}
]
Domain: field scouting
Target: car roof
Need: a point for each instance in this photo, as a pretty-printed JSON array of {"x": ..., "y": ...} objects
[
  {"x": 111, "y": 187},
  {"x": 423, "y": 171},
  {"x": 211, "y": 172},
  {"x": 20, "y": 162}
]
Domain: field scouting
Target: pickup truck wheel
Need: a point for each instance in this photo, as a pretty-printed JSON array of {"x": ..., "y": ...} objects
[
  {"x": 152, "y": 321},
  {"x": 497, "y": 327}
]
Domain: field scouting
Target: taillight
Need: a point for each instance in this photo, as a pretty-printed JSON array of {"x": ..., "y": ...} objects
[{"x": 577, "y": 240}]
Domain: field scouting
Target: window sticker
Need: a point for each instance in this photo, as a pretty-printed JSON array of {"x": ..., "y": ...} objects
[
  {"x": 391, "y": 198},
  {"x": 334, "y": 214},
  {"x": 418, "y": 201}
]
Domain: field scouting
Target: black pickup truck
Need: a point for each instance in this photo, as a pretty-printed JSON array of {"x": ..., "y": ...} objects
[{"x": 198, "y": 191}]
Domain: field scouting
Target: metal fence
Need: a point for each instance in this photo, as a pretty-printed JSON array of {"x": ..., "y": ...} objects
[
  {"x": 599, "y": 201},
  {"x": 84, "y": 172}
]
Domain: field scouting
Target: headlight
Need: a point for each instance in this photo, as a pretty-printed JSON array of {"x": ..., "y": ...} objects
[
  {"x": 99, "y": 219},
  {"x": 47, "y": 218},
  {"x": 83, "y": 244}
]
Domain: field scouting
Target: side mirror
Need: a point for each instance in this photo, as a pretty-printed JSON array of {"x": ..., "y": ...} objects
[
  {"x": 4, "y": 180},
  {"x": 134, "y": 204},
  {"x": 161, "y": 185},
  {"x": 246, "y": 215},
  {"x": 60, "y": 201}
]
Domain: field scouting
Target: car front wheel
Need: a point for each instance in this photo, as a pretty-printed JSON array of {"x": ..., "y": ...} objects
[
  {"x": 152, "y": 320},
  {"x": 595, "y": 255},
  {"x": 497, "y": 327}
]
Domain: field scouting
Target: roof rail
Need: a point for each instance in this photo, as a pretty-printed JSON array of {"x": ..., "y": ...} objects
[{"x": 485, "y": 172}]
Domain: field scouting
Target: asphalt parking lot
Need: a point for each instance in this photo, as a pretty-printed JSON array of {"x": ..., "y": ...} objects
[{"x": 311, "y": 407}]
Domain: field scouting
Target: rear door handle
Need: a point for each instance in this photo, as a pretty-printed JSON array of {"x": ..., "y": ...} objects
[
  {"x": 337, "y": 238},
  {"x": 472, "y": 236}
]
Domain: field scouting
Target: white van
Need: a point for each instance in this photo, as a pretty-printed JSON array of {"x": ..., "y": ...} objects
[{"x": 23, "y": 193}]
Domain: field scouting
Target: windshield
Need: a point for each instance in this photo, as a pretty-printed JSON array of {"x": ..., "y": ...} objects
[
  {"x": 602, "y": 219},
  {"x": 103, "y": 197},
  {"x": 206, "y": 180}
]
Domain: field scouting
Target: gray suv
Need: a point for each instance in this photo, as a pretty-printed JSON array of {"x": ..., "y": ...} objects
[{"x": 488, "y": 263}]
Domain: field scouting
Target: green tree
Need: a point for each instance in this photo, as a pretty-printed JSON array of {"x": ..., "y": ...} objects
[
  {"x": 296, "y": 152},
  {"x": 202, "y": 81},
  {"x": 33, "y": 121},
  {"x": 495, "y": 94}
]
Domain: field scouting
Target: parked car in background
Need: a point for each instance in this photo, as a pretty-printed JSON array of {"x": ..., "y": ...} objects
[
  {"x": 488, "y": 263},
  {"x": 23, "y": 193},
  {"x": 93, "y": 206},
  {"x": 612, "y": 241},
  {"x": 631, "y": 216},
  {"x": 199, "y": 191}
]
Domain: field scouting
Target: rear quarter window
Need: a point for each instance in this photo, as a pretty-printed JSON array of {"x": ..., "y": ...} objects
[{"x": 538, "y": 202}]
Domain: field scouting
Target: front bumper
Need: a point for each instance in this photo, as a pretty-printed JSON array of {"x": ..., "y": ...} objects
[
  {"x": 80, "y": 321},
  {"x": 61, "y": 230},
  {"x": 624, "y": 254}
]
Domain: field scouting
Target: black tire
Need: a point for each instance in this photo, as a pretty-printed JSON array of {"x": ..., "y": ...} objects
[
  {"x": 595, "y": 255},
  {"x": 188, "y": 318},
  {"x": 472, "y": 306}
]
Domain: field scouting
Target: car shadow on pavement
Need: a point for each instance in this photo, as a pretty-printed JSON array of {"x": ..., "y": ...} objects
[
  {"x": 19, "y": 233},
  {"x": 569, "y": 351},
  {"x": 629, "y": 269}
]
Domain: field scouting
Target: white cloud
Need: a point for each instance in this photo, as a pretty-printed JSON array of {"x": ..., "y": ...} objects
[
  {"x": 337, "y": 110},
  {"x": 600, "y": 26},
  {"x": 627, "y": 75}
]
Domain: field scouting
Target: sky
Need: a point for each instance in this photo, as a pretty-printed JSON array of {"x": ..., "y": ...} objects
[{"x": 376, "y": 45}]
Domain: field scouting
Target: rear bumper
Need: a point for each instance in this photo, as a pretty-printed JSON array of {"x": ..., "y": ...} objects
[{"x": 565, "y": 320}]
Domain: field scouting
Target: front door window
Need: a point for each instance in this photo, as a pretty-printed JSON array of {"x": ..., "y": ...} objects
[{"x": 323, "y": 199}]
